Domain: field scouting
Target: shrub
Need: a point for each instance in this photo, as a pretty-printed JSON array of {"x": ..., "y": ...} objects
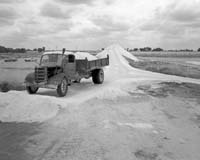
[
  {"x": 7, "y": 86},
  {"x": 4, "y": 86}
]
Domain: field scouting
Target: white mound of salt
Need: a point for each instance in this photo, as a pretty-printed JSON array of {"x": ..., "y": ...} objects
[
  {"x": 83, "y": 55},
  {"x": 116, "y": 50}
]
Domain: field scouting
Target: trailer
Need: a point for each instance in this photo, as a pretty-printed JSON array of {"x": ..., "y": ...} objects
[{"x": 59, "y": 69}]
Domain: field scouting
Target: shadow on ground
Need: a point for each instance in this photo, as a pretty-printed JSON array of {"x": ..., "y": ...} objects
[{"x": 13, "y": 140}]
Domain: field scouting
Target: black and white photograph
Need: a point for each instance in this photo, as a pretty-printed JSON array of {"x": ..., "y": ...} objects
[{"x": 100, "y": 80}]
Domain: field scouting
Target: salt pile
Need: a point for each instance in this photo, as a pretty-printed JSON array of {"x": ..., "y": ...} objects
[
  {"x": 83, "y": 55},
  {"x": 116, "y": 50},
  {"x": 117, "y": 56}
]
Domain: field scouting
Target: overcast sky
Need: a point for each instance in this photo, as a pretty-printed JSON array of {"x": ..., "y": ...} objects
[{"x": 93, "y": 24}]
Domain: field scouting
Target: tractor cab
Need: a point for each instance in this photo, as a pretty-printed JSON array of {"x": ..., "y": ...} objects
[
  {"x": 57, "y": 62},
  {"x": 51, "y": 60},
  {"x": 56, "y": 59}
]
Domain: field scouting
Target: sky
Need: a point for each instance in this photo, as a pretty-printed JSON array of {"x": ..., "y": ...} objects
[{"x": 95, "y": 24}]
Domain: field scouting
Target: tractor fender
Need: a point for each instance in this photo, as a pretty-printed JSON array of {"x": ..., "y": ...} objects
[
  {"x": 56, "y": 79},
  {"x": 30, "y": 78}
]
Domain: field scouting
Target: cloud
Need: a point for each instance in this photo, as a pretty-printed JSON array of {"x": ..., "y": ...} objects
[
  {"x": 194, "y": 25},
  {"x": 96, "y": 23},
  {"x": 8, "y": 16},
  {"x": 175, "y": 19},
  {"x": 66, "y": 26},
  {"x": 15, "y": 38},
  {"x": 175, "y": 24},
  {"x": 109, "y": 2},
  {"x": 185, "y": 15},
  {"x": 107, "y": 23},
  {"x": 89, "y": 33},
  {"x": 77, "y": 2},
  {"x": 184, "y": 12},
  {"x": 53, "y": 11},
  {"x": 11, "y": 1},
  {"x": 8, "y": 13}
]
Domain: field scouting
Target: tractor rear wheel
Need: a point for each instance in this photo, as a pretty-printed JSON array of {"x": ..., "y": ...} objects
[{"x": 98, "y": 76}]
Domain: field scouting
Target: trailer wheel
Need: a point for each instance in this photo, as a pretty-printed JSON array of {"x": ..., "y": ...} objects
[
  {"x": 98, "y": 76},
  {"x": 32, "y": 89},
  {"x": 62, "y": 88}
]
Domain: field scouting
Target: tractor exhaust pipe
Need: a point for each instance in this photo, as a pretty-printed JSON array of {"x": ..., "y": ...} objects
[{"x": 63, "y": 51}]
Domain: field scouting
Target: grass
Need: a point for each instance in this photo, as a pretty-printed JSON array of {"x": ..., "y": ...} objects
[
  {"x": 167, "y": 68},
  {"x": 167, "y": 54},
  {"x": 19, "y": 55}
]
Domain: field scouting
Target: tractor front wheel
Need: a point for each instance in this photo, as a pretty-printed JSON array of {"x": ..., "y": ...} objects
[
  {"x": 62, "y": 88},
  {"x": 32, "y": 89}
]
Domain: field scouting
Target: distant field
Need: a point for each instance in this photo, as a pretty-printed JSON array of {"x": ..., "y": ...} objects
[
  {"x": 184, "y": 67},
  {"x": 32, "y": 54},
  {"x": 179, "y": 60},
  {"x": 18, "y": 55},
  {"x": 167, "y": 54},
  {"x": 185, "y": 64},
  {"x": 13, "y": 73}
]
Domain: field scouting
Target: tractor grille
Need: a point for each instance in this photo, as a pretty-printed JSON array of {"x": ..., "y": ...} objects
[{"x": 40, "y": 74}]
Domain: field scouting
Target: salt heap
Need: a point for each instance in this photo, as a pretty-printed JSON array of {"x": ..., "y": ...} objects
[
  {"x": 118, "y": 64},
  {"x": 117, "y": 55},
  {"x": 83, "y": 55}
]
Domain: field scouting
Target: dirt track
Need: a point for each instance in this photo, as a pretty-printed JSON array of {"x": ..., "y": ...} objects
[{"x": 147, "y": 125}]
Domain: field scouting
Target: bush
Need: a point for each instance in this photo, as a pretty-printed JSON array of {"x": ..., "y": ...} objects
[
  {"x": 7, "y": 86},
  {"x": 4, "y": 86},
  {"x": 157, "y": 50}
]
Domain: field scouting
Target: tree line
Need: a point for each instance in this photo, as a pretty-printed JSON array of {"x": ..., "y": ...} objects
[
  {"x": 19, "y": 50},
  {"x": 145, "y": 49},
  {"x": 12, "y": 50},
  {"x": 149, "y": 49}
]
